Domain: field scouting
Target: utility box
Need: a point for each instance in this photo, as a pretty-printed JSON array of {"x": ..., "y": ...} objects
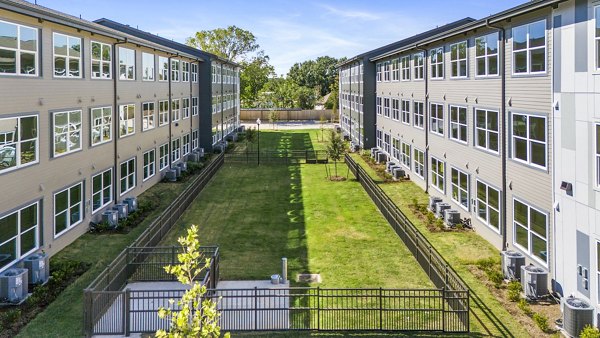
[
  {"x": 38, "y": 268},
  {"x": 14, "y": 285},
  {"x": 512, "y": 261}
]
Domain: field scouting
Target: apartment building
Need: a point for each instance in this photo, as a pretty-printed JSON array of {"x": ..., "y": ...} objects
[{"x": 90, "y": 115}]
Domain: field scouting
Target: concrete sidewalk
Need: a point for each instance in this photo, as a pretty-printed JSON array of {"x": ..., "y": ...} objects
[{"x": 288, "y": 125}]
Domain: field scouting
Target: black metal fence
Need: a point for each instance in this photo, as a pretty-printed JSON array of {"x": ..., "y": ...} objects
[
  {"x": 439, "y": 271},
  {"x": 277, "y": 156}
]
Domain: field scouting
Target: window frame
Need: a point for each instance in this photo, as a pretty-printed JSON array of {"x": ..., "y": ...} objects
[
  {"x": 149, "y": 169},
  {"x": 437, "y": 64},
  {"x": 163, "y": 72},
  {"x": 123, "y": 120},
  {"x": 148, "y": 117},
  {"x": 395, "y": 109},
  {"x": 419, "y": 66},
  {"x": 438, "y": 119},
  {"x": 68, "y": 210},
  {"x": 194, "y": 69},
  {"x": 175, "y": 112},
  {"x": 386, "y": 107},
  {"x": 122, "y": 51},
  {"x": 436, "y": 177},
  {"x": 528, "y": 49},
  {"x": 185, "y": 146},
  {"x": 175, "y": 68},
  {"x": 487, "y": 205},
  {"x": 405, "y": 159},
  {"x": 103, "y": 188},
  {"x": 68, "y": 132},
  {"x": 185, "y": 71},
  {"x": 379, "y": 105},
  {"x": 163, "y": 160},
  {"x": 195, "y": 105},
  {"x": 185, "y": 108},
  {"x": 145, "y": 67},
  {"x": 530, "y": 232},
  {"x": 163, "y": 115},
  {"x": 19, "y": 143},
  {"x": 419, "y": 114},
  {"x": 395, "y": 69},
  {"x": 101, "y": 125},
  {"x": 419, "y": 166},
  {"x": 405, "y": 69},
  {"x": 175, "y": 151},
  {"x": 18, "y": 51},
  {"x": 100, "y": 61},
  {"x": 67, "y": 57},
  {"x": 458, "y": 61},
  {"x": 456, "y": 187},
  {"x": 528, "y": 140},
  {"x": 487, "y": 131},
  {"x": 18, "y": 237},
  {"x": 195, "y": 139},
  {"x": 127, "y": 176},
  {"x": 405, "y": 111},
  {"x": 486, "y": 56},
  {"x": 461, "y": 127}
]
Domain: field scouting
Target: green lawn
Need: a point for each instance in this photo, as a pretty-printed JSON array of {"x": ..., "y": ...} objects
[{"x": 272, "y": 139}]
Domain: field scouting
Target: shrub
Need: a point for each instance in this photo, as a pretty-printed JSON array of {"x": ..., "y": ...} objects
[
  {"x": 415, "y": 203},
  {"x": 439, "y": 224},
  {"x": 590, "y": 332},
  {"x": 495, "y": 277},
  {"x": 541, "y": 321},
  {"x": 485, "y": 263},
  {"x": 524, "y": 306},
  {"x": 430, "y": 218},
  {"x": 514, "y": 291}
]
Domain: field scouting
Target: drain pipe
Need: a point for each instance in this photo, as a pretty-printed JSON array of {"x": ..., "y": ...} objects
[
  {"x": 170, "y": 119},
  {"x": 116, "y": 116},
  {"x": 425, "y": 115},
  {"x": 501, "y": 69}
]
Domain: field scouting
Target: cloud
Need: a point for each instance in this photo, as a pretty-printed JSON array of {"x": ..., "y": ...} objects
[{"x": 350, "y": 14}]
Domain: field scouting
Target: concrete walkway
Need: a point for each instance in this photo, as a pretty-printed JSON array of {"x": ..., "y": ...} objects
[{"x": 288, "y": 125}]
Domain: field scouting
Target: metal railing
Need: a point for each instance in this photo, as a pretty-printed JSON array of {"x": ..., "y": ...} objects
[
  {"x": 437, "y": 268},
  {"x": 277, "y": 156}
]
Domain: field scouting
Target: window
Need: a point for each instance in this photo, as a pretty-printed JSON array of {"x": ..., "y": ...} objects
[
  {"x": 379, "y": 106},
  {"x": 194, "y": 72},
  {"x": 529, "y": 48},
  {"x": 597, "y": 155},
  {"x": 486, "y": 55},
  {"x": 195, "y": 139},
  {"x": 486, "y": 130},
  {"x": 386, "y": 71},
  {"x": 458, "y": 59},
  {"x": 176, "y": 114},
  {"x": 174, "y": 70},
  {"x": 19, "y": 142},
  {"x": 395, "y": 70},
  {"x": 194, "y": 106},
  {"x": 437, "y": 174},
  {"x": 379, "y": 72},
  {"x": 19, "y": 236},
  {"x": 406, "y": 111},
  {"x": 101, "y": 125},
  {"x": 175, "y": 150},
  {"x": 437, "y": 63},
  {"x": 419, "y": 60},
  {"x": 460, "y": 187},
  {"x": 186, "y": 144},
  {"x": 185, "y": 71},
  {"x": 395, "y": 109},
  {"x": 148, "y": 116},
  {"x": 419, "y": 112},
  {"x": 185, "y": 107},
  {"x": 163, "y": 156},
  {"x": 458, "y": 123},
  {"x": 163, "y": 113},
  {"x": 149, "y": 164},
  {"x": 126, "y": 64},
  {"x": 405, "y": 66},
  {"x": 67, "y": 55},
  {"x": 396, "y": 148},
  {"x": 68, "y": 208},
  {"x": 531, "y": 230},
  {"x": 379, "y": 136},
  {"x": 101, "y": 60},
  {"x": 419, "y": 157},
  {"x": 386, "y": 107},
  {"x": 436, "y": 120},
  {"x": 101, "y": 190},
  {"x": 147, "y": 67},
  {"x": 18, "y": 50},
  {"x": 127, "y": 176},
  {"x": 163, "y": 68},
  {"x": 387, "y": 142},
  {"x": 405, "y": 155},
  {"x": 126, "y": 120},
  {"x": 67, "y": 132},
  {"x": 529, "y": 139},
  {"x": 488, "y": 205}
]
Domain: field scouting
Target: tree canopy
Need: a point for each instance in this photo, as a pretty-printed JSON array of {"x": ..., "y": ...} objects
[
  {"x": 317, "y": 74},
  {"x": 232, "y": 43},
  {"x": 254, "y": 76}
]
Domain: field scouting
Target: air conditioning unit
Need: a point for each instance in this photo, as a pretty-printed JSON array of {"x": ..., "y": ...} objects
[
  {"x": 121, "y": 209},
  {"x": 171, "y": 175},
  {"x": 177, "y": 170},
  {"x": 182, "y": 166},
  {"x": 398, "y": 173},
  {"x": 132, "y": 203},
  {"x": 440, "y": 208},
  {"x": 338, "y": 128},
  {"x": 194, "y": 157},
  {"x": 346, "y": 137},
  {"x": 241, "y": 129},
  {"x": 433, "y": 201},
  {"x": 200, "y": 152},
  {"x": 374, "y": 152},
  {"x": 13, "y": 285},
  {"x": 389, "y": 165},
  {"x": 535, "y": 281},
  {"x": 38, "y": 268},
  {"x": 381, "y": 157},
  {"x": 451, "y": 217},
  {"x": 512, "y": 261},
  {"x": 577, "y": 315},
  {"x": 111, "y": 217}
]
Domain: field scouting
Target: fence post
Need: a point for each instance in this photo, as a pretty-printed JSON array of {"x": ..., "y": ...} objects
[
  {"x": 126, "y": 318},
  {"x": 87, "y": 313},
  {"x": 172, "y": 259},
  {"x": 255, "y": 308},
  {"x": 444, "y": 304},
  {"x": 380, "y": 309},
  {"x": 318, "y": 308}
]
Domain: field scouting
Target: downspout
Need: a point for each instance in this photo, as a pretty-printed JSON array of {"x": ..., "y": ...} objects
[
  {"x": 116, "y": 117},
  {"x": 190, "y": 107},
  {"x": 222, "y": 106},
  {"x": 502, "y": 66},
  {"x": 170, "y": 76},
  {"x": 360, "y": 135},
  {"x": 426, "y": 116},
  {"x": 350, "y": 105}
]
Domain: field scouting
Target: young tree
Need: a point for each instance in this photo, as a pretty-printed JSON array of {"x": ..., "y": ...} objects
[
  {"x": 322, "y": 121},
  {"x": 232, "y": 43},
  {"x": 250, "y": 136},
  {"x": 273, "y": 117},
  {"x": 335, "y": 149},
  {"x": 197, "y": 316}
]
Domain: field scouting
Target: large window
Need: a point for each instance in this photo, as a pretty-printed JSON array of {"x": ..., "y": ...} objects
[
  {"x": 195, "y": 106},
  {"x": 194, "y": 73},
  {"x": 531, "y": 230},
  {"x": 68, "y": 208},
  {"x": 436, "y": 118},
  {"x": 386, "y": 71},
  {"x": 175, "y": 150},
  {"x": 458, "y": 59},
  {"x": 529, "y": 142},
  {"x": 458, "y": 123},
  {"x": 18, "y": 142},
  {"x": 460, "y": 187},
  {"x": 419, "y": 66},
  {"x": 67, "y": 132},
  {"x": 185, "y": 71},
  {"x": 163, "y": 156},
  {"x": 18, "y": 50},
  {"x": 529, "y": 48},
  {"x": 419, "y": 114},
  {"x": 101, "y": 125},
  {"x": 149, "y": 164},
  {"x": 127, "y": 177},
  {"x": 406, "y": 111},
  {"x": 486, "y": 55},
  {"x": 395, "y": 109},
  {"x": 174, "y": 70},
  {"x": 148, "y": 116},
  {"x": 101, "y": 60},
  {"x": 163, "y": 68},
  {"x": 396, "y": 148},
  {"x": 379, "y": 105},
  {"x": 185, "y": 107},
  {"x": 486, "y": 130},
  {"x": 195, "y": 139},
  {"x": 379, "y": 72},
  {"x": 405, "y": 68},
  {"x": 176, "y": 113},
  {"x": 101, "y": 190},
  {"x": 488, "y": 205},
  {"x": 163, "y": 113},
  {"x": 147, "y": 67},
  {"x": 126, "y": 120},
  {"x": 18, "y": 234},
  {"x": 186, "y": 144},
  {"x": 436, "y": 59},
  {"x": 67, "y": 55},
  {"x": 386, "y": 107},
  {"x": 438, "y": 174},
  {"x": 395, "y": 70},
  {"x": 405, "y": 155},
  {"x": 126, "y": 64},
  {"x": 419, "y": 157}
]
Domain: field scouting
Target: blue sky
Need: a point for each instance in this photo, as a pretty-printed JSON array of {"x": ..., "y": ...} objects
[{"x": 289, "y": 31}]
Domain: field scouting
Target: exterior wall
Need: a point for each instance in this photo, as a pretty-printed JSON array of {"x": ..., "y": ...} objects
[
  {"x": 225, "y": 100},
  {"x": 352, "y": 106}
]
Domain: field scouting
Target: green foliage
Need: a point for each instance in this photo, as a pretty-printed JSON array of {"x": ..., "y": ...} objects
[
  {"x": 495, "y": 277},
  {"x": 254, "y": 76},
  {"x": 524, "y": 306},
  {"x": 491, "y": 267},
  {"x": 514, "y": 291},
  {"x": 231, "y": 43},
  {"x": 197, "y": 317},
  {"x": 590, "y": 332},
  {"x": 284, "y": 93},
  {"x": 251, "y": 135},
  {"x": 439, "y": 224},
  {"x": 317, "y": 74},
  {"x": 541, "y": 321},
  {"x": 335, "y": 148},
  {"x": 430, "y": 218},
  {"x": 273, "y": 117}
]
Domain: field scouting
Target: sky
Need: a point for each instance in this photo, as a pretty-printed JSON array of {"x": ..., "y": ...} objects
[{"x": 289, "y": 31}]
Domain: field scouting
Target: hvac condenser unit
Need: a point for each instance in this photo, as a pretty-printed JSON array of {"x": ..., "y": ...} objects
[
  {"x": 14, "y": 285},
  {"x": 38, "y": 268},
  {"x": 381, "y": 157},
  {"x": 182, "y": 166},
  {"x": 451, "y": 217},
  {"x": 389, "y": 165},
  {"x": 200, "y": 152},
  {"x": 132, "y": 203},
  {"x": 171, "y": 175},
  {"x": 433, "y": 201},
  {"x": 177, "y": 170},
  {"x": 374, "y": 152},
  {"x": 535, "y": 281},
  {"x": 193, "y": 157},
  {"x": 512, "y": 261},
  {"x": 398, "y": 173},
  {"x": 121, "y": 209},
  {"x": 111, "y": 217},
  {"x": 577, "y": 315},
  {"x": 440, "y": 208}
]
